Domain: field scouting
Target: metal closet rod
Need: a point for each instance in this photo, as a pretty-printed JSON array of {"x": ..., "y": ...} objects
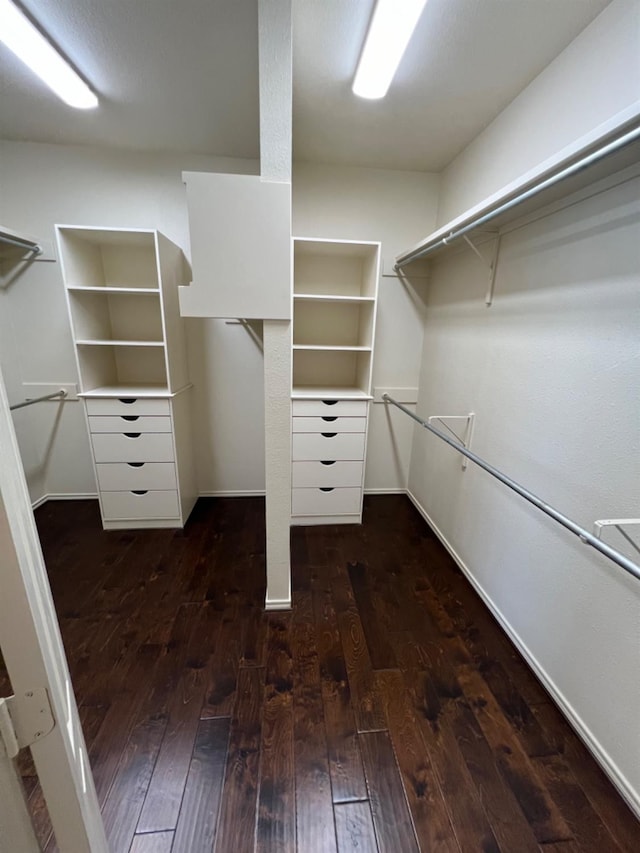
[
  {"x": 583, "y": 163},
  {"x": 586, "y": 537},
  {"x": 62, "y": 394},
  {"x": 22, "y": 244}
]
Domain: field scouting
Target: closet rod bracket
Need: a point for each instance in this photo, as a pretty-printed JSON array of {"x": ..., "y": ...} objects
[
  {"x": 618, "y": 523},
  {"x": 466, "y": 438}
]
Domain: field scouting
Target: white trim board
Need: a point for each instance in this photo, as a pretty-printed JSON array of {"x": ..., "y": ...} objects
[{"x": 630, "y": 796}]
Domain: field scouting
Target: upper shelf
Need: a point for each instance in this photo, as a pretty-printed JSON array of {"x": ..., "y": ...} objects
[{"x": 610, "y": 148}]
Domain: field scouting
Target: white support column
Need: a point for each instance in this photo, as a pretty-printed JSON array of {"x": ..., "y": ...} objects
[{"x": 275, "y": 165}]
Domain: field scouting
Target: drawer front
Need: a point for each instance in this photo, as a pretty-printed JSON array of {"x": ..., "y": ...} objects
[
  {"x": 125, "y": 476},
  {"x": 149, "y": 505},
  {"x": 129, "y": 423},
  {"x": 313, "y": 473},
  {"x": 136, "y": 447},
  {"x": 331, "y": 423},
  {"x": 127, "y": 406},
  {"x": 328, "y": 446},
  {"x": 341, "y": 408},
  {"x": 317, "y": 502}
]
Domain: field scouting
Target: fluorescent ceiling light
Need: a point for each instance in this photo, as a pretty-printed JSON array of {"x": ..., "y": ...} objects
[
  {"x": 29, "y": 45},
  {"x": 391, "y": 27}
]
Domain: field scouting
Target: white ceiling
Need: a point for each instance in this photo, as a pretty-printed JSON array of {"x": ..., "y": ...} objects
[{"x": 182, "y": 75}]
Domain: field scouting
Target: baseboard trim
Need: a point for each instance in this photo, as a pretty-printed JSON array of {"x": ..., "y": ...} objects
[
  {"x": 54, "y": 496},
  {"x": 618, "y": 779},
  {"x": 240, "y": 493},
  {"x": 278, "y": 604},
  {"x": 385, "y": 491}
]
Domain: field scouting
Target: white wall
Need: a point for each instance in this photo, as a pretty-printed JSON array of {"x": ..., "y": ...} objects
[
  {"x": 47, "y": 184},
  {"x": 396, "y": 208},
  {"x": 551, "y": 371},
  {"x": 595, "y": 77}
]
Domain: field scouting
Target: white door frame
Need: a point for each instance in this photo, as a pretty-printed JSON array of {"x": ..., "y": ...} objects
[{"x": 34, "y": 656}]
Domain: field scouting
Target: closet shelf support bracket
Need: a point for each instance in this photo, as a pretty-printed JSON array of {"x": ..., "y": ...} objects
[
  {"x": 465, "y": 439},
  {"x": 491, "y": 265}
]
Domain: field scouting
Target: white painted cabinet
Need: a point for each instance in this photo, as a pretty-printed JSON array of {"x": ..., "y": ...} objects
[
  {"x": 335, "y": 286},
  {"x": 122, "y": 295}
]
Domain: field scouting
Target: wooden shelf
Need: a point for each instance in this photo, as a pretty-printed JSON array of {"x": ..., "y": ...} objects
[
  {"x": 333, "y": 297},
  {"x": 328, "y": 392},
  {"x": 127, "y": 390},
  {"x": 137, "y": 291},
  {"x": 110, "y": 343},
  {"x": 330, "y": 348}
]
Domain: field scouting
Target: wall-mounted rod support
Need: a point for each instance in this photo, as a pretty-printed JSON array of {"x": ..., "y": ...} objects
[
  {"x": 543, "y": 184},
  {"x": 57, "y": 394},
  {"x": 586, "y": 537},
  {"x": 22, "y": 244}
]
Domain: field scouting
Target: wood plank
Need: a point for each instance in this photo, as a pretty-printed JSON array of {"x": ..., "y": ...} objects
[
  {"x": 314, "y": 809},
  {"x": 586, "y": 827},
  {"x": 236, "y": 827},
  {"x": 153, "y": 842},
  {"x": 198, "y": 818},
  {"x": 163, "y": 799},
  {"x": 391, "y": 817},
  {"x": 381, "y": 653},
  {"x": 223, "y": 669},
  {"x": 122, "y": 808},
  {"x": 365, "y": 701},
  {"x": 354, "y": 828},
  {"x": 345, "y": 762},
  {"x": 621, "y": 823},
  {"x": 431, "y": 821},
  {"x": 276, "y": 830},
  {"x": 535, "y": 801}
]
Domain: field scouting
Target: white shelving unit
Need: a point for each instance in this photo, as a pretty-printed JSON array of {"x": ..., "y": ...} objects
[
  {"x": 335, "y": 286},
  {"x": 122, "y": 296}
]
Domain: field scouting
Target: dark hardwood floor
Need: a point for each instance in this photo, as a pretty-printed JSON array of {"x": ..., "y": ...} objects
[{"x": 387, "y": 711}]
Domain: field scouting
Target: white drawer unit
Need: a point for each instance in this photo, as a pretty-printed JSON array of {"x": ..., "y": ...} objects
[
  {"x": 329, "y": 422},
  {"x": 141, "y": 505},
  {"x": 331, "y": 446},
  {"x": 327, "y": 473},
  {"x": 326, "y": 501},
  {"x": 127, "y": 406},
  {"x": 133, "y": 447},
  {"x": 332, "y": 408},
  {"x": 130, "y": 476},
  {"x": 121, "y": 287},
  {"x": 129, "y": 423},
  {"x": 335, "y": 293}
]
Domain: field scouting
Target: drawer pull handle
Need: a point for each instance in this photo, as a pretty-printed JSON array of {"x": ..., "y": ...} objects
[
  {"x": 327, "y": 461},
  {"x": 128, "y": 400},
  {"x": 329, "y": 402},
  {"x": 135, "y": 464},
  {"x": 328, "y": 434},
  {"x": 139, "y": 491},
  {"x": 329, "y": 418},
  {"x": 130, "y": 417},
  {"x": 133, "y": 434},
  {"x": 326, "y": 488}
]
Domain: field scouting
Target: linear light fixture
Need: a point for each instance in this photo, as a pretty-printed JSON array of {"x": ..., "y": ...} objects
[
  {"x": 391, "y": 27},
  {"x": 29, "y": 45}
]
